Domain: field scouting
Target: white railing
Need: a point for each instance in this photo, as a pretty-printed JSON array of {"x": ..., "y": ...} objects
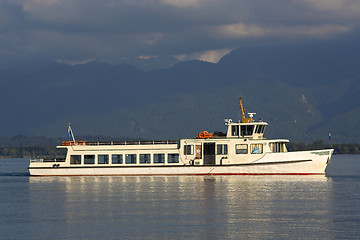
[
  {"x": 47, "y": 160},
  {"x": 71, "y": 143}
]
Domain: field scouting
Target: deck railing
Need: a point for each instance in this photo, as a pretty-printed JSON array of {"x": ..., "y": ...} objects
[
  {"x": 79, "y": 143},
  {"x": 47, "y": 160}
]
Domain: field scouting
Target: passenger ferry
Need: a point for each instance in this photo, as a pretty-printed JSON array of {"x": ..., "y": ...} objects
[{"x": 242, "y": 150}]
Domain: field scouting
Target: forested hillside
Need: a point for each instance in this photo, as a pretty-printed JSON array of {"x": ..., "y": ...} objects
[{"x": 299, "y": 100}]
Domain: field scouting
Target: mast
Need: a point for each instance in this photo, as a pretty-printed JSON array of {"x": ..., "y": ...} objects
[{"x": 243, "y": 118}]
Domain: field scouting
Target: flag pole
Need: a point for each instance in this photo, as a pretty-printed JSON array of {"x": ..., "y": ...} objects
[{"x": 331, "y": 144}]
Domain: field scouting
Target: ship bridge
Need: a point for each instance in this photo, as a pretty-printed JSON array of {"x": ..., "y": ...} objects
[
  {"x": 247, "y": 128},
  {"x": 254, "y": 130}
]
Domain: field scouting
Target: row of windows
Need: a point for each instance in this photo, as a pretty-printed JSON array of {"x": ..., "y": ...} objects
[
  {"x": 246, "y": 130},
  {"x": 222, "y": 149},
  {"x": 129, "y": 158},
  {"x": 254, "y": 148}
]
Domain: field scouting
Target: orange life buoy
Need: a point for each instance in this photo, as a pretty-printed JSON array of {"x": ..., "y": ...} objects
[{"x": 204, "y": 134}]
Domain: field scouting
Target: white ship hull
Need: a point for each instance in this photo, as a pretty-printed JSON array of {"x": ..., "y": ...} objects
[
  {"x": 243, "y": 150},
  {"x": 289, "y": 163}
]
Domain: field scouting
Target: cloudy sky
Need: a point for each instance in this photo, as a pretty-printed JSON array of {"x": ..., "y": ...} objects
[{"x": 76, "y": 31}]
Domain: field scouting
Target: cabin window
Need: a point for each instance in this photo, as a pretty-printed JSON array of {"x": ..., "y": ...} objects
[
  {"x": 130, "y": 158},
  {"x": 241, "y": 148},
  {"x": 235, "y": 130},
  {"x": 188, "y": 149},
  {"x": 173, "y": 158},
  {"x": 247, "y": 130},
  {"x": 222, "y": 149},
  {"x": 75, "y": 159},
  {"x": 256, "y": 148},
  {"x": 278, "y": 147},
  {"x": 103, "y": 159},
  {"x": 117, "y": 158},
  {"x": 89, "y": 159},
  {"x": 145, "y": 158},
  {"x": 159, "y": 158}
]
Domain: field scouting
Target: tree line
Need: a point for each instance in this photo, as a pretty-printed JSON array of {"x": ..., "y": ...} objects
[
  {"x": 53, "y": 152},
  {"x": 32, "y": 152},
  {"x": 23, "y": 146},
  {"x": 342, "y": 148}
]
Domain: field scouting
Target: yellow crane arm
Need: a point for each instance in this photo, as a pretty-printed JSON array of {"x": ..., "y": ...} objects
[{"x": 243, "y": 118}]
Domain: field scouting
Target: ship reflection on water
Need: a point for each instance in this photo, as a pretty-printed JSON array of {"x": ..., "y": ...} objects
[{"x": 206, "y": 207}]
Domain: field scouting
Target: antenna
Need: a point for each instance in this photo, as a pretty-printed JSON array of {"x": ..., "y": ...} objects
[
  {"x": 251, "y": 115},
  {"x": 227, "y": 121}
]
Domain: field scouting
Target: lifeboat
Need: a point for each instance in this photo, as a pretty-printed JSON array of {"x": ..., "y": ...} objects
[{"x": 204, "y": 134}]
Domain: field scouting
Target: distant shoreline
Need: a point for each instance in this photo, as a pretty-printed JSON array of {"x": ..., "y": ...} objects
[{"x": 48, "y": 152}]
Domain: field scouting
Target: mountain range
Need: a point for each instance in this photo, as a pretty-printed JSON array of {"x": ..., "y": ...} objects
[{"x": 303, "y": 92}]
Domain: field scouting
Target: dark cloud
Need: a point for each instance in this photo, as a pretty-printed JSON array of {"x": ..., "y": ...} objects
[{"x": 114, "y": 30}]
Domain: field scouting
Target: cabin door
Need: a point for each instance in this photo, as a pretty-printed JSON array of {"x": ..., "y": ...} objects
[{"x": 209, "y": 153}]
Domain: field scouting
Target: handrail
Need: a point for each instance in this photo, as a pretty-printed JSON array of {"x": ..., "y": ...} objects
[
  {"x": 47, "y": 160},
  {"x": 82, "y": 143}
]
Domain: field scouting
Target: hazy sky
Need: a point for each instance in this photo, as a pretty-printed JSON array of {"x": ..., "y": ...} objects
[{"x": 114, "y": 30}]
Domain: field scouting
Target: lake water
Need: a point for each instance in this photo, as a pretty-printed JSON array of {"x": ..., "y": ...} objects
[{"x": 187, "y": 207}]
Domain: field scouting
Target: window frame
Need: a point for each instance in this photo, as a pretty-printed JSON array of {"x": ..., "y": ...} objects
[
  {"x": 158, "y": 158},
  {"x": 130, "y": 158},
  {"x": 241, "y": 150},
  {"x": 89, "y": 159},
  {"x": 235, "y": 130},
  {"x": 247, "y": 130},
  {"x": 141, "y": 161},
  {"x": 75, "y": 161},
  {"x": 223, "y": 149},
  {"x": 176, "y": 158},
  {"x": 119, "y": 159},
  {"x": 105, "y": 160},
  {"x": 186, "y": 149},
  {"x": 260, "y": 147}
]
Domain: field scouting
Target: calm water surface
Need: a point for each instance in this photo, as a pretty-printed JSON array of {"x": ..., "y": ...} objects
[{"x": 220, "y": 207}]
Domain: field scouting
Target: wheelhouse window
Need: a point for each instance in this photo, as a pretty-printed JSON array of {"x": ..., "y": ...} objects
[
  {"x": 103, "y": 159},
  {"x": 117, "y": 158},
  {"x": 89, "y": 159},
  {"x": 75, "y": 159},
  {"x": 241, "y": 148},
  {"x": 247, "y": 130},
  {"x": 235, "y": 130},
  {"x": 173, "y": 158},
  {"x": 145, "y": 158},
  {"x": 222, "y": 149},
  {"x": 159, "y": 158},
  {"x": 260, "y": 129},
  {"x": 188, "y": 149},
  {"x": 130, "y": 158},
  {"x": 256, "y": 148}
]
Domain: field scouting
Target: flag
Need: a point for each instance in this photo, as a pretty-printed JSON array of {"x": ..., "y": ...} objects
[
  {"x": 69, "y": 132},
  {"x": 329, "y": 135}
]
